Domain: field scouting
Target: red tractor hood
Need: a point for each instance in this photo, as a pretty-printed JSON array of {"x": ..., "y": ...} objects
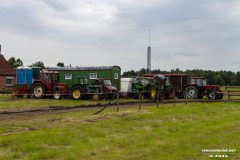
[{"x": 216, "y": 87}]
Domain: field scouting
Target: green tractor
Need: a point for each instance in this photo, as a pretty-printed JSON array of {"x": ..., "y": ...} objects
[
  {"x": 83, "y": 90},
  {"x": 148, "y": 87}
]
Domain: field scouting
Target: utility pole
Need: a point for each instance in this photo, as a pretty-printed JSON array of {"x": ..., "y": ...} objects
[{"x": 149, "y": 56}]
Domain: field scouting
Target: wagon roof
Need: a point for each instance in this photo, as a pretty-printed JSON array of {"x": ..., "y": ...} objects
[{"x": 82, "y": 68}]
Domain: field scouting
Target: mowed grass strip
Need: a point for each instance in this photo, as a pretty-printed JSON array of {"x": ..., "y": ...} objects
[{"x": 167, "y": 132}]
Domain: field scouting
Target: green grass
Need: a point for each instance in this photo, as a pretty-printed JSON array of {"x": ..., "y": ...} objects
[{"x": 167, "y": 132}]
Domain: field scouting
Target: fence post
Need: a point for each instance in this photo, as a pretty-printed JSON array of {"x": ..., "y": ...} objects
[
  {"x": 117, "y": 102},
  {"x": 185, "y": 94},
  {"x": 174, "y": 99},
  {"x": 140, "y": 97},
  {"x": 225, "y": 91},
  {"x": 196, "y": 96},
  {"x": 157, "y": 98}
]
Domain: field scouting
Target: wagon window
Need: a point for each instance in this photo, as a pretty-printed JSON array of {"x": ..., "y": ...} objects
[
  {"x": 93, "y": 75},
  {"x": 68, "y": 76},
  {"x": 9, "y": 81},
  {"x": 115, "y": 75}
]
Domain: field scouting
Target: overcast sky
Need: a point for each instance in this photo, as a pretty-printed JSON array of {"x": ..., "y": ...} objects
[{"x": 185, "y": 34}]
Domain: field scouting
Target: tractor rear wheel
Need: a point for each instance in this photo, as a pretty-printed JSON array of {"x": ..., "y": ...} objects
[
  {"x": 152, "y": 93},
  {"x": 191, "y": 92},
  {"x": 38, "y": 90},
  {"x": 76, "y": 92},
  {"x": 168, "y": 92}
]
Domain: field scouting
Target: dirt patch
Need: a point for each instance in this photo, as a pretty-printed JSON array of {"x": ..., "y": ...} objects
[{"x": 61, "y": 109}]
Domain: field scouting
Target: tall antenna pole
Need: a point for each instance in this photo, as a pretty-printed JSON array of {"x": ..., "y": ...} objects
[{"x": 149, "y": 56}]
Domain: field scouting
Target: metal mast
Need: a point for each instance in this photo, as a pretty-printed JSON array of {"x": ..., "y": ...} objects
[{"x": 149, "y": 56}]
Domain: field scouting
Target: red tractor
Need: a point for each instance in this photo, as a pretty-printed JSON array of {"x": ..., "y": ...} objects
[
  {"x": 198, "y": 87},
  {"x": 107, "y": 88},
  {"x": 48, "y": 84}
]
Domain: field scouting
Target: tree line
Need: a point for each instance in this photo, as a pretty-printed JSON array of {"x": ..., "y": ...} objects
[
  {"x": 17, "y": 62},
  {"x": 223, "y": 78}
]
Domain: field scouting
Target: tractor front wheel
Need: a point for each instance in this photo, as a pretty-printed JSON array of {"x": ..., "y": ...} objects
[
  {"x": 76, "y": 92},
  {"x": 96, "y": 97},
  {"x": 191, "y": 92},
  {"x": 211, "y": 94}
]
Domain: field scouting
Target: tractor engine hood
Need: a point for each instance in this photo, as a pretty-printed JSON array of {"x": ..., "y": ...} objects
[{"x": 212, "y": 86}]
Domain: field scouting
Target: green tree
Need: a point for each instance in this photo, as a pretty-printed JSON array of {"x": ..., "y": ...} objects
[
  {"x": 60, "y": 64},
  {"x": 14, "y": 63},
  {"x": 238, "y": 78},
  {"x": 131, "y": 73},
  {"x": 38, "y": 64},
  {"x": 142, "y": 72}
]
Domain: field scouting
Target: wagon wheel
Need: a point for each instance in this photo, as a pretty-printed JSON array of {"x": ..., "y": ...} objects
[
  {"x": 191, "y": 92},
  {"x": 38, "y": 90},
  {"x": 57, "y": 95}
]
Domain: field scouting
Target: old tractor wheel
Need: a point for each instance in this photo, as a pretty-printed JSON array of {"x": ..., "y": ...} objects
[
  {"x": 168, "y": 92},
  {"x": 57, "y": 95},
  {"x": 76, "y": 93},
  {"x": 96, "y": 97},
  {"x": 38, "y": 90},
  {"x": 152, "y": 93},
  {"x": 105, "y": 97},
  {"x": 191, "y": 92},
  {"x": 211, "y": 94}
]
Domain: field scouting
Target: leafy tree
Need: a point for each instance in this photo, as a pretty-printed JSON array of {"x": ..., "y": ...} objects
[
  {"x": 38, "y": 64},
  {"x": 238, "y": 78},
  {"x": 131, "y": 73},
  {"x": 60, "y": 64},
  {"x": 14, "y": 63},
  {"x": 142, "y": 72},
  {"x": 213, "y": 77}
]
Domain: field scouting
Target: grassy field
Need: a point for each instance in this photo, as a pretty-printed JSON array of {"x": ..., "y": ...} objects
[{"x": 167, "y": 132}]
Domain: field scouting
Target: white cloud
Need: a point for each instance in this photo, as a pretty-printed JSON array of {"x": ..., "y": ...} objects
[{"x": 184, "y": 34}]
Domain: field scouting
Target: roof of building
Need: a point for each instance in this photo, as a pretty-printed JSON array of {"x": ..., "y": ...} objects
[{"x": 5, "y": 68}]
